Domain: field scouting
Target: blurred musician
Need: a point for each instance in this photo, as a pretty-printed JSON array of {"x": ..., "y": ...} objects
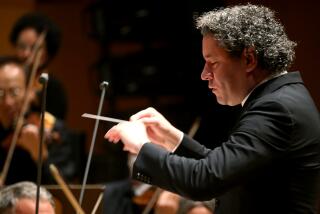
[
  {"x": 12, "y": 92},
  {"x": 24, "y": 36},
  {"x": 20, "y": 198}
]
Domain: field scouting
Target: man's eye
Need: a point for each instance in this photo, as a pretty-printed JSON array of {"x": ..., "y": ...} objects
[
  {"x": 213, "y": 64},
  {"x": 16, "y": 92},
  {"x": 12, "y": 92}
]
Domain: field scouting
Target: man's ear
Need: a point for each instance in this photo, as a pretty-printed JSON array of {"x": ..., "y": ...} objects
[{"x": 250, "y": 57}]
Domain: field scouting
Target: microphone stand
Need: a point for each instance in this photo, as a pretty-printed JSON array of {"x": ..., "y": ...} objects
[
  {"x": 44, "y": 81},
  {"x": 103, "y": 87}
]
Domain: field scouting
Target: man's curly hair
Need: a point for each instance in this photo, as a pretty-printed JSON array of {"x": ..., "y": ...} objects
[{"x": 244, "y": 26}]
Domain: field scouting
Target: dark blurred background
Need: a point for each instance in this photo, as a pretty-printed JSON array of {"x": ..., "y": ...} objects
[{"x": 150, "y": 53}]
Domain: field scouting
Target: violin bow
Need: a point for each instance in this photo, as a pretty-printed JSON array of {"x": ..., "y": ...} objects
[
  {"x": 24, "y": 107},
  {"x": 96, "y": 205},
  {"x": 67, "y": 192},
  {"x": 103, "y": 87}
]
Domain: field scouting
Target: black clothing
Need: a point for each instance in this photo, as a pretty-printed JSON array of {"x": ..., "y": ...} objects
[
  {"x": 269, "y": 164},
  {"x": 22, "y": 167}
]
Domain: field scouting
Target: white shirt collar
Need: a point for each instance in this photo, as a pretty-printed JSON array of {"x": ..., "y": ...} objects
[{"x": 263, "y": 81}]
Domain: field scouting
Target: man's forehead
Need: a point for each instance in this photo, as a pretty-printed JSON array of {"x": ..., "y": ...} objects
[
  {"x": 212, "y": 48},
  {"x": 12, "y": 69},
  {"x": 12, "y": 77},
  {"x": 27, "y": 206}
]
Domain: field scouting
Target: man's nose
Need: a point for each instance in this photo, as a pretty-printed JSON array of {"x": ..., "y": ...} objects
[
  {"x": 8, "y": 100},
  {"x": 205, "y": 74},
  {"x": 26, "y": 52}
]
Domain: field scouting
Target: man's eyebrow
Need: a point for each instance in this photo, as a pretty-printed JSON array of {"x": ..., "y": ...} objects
[{"x": 207, "y": 56}]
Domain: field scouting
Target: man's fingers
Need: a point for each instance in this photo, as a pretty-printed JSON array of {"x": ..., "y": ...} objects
[
  {"x": 150, "y": 121},
  {"x": 113, "y": 135},
  {"x": 139, "y": 115},
  {"x": 146, "y": 113}
]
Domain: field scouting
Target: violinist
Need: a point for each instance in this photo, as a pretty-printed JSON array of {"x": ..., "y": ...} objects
[
  {"x": 23, "y": 37},
  {"x": 12, "y": 92}
]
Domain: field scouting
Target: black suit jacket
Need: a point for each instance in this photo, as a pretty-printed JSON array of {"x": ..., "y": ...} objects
[{"x": 269, "y": 164}]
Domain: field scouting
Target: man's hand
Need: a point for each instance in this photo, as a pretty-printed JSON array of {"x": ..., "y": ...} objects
[
  {"x": 132, "y": 134},
  {"x": 30, "y": 139},
  {"x": 159, "y": 129}
]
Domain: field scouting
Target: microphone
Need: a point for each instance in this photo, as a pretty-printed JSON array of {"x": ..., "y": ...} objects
[
  {"x": 104, "y": 85},
  {"x": 43, "y": 79}
]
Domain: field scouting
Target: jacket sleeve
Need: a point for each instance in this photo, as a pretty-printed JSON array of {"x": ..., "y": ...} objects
[
  {"x": 191, "y": 148},
  {"x": 261, "y": 137}
]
